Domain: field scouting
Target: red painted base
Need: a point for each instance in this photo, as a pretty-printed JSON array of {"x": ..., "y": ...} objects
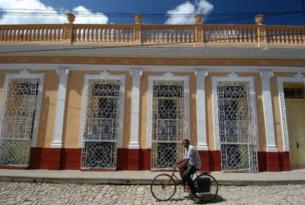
[
  {"x": 215, "y": 160},
  {"x": 128, "y": 159},
  {"x": 140, "y": 159},
  {"x": 262, "y": 161},
  {"x": 284, "y": 161},
  {"x": 145, "y": 159},
  {"x": 45, "y": 158},
  {"x": 210, "y": 160},
  {"x": 70, "y": 158},
  {"x": 273, "y": 161},
  {"x": 134, "y": 159},
  {"x": 205, "y": 160}
]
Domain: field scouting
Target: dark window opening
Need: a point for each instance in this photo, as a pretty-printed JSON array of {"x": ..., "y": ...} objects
[{"x": 295, "y": 93}]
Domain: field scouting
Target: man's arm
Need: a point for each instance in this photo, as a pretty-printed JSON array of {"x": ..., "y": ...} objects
[{"x": 182, "y": 163}]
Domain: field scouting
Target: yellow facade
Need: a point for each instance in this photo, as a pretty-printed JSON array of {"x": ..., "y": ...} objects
[
  {"x": 71, "y": 136},
  {"x": 75, "y": 95}
]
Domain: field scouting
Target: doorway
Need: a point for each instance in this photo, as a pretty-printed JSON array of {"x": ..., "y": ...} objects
[{"x": 295, "y": 108}]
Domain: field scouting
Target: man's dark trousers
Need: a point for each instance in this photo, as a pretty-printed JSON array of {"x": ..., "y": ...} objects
[{"x": 186, "y": 177}]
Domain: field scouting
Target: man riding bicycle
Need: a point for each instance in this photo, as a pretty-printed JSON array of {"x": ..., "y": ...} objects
[{"x": 189, "y": 165}]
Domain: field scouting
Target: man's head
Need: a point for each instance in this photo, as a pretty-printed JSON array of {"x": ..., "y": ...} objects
[{"x": 186, "y": 143}]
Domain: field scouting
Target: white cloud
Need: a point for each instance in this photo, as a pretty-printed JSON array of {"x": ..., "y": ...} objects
[
  {"x": 184, "y": 13},
  {"x": 34, "y": 12},
  {"x": 90, "y": 18}
]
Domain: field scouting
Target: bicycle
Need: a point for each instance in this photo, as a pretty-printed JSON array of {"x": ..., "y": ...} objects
[{"x": 163, "y": 187}]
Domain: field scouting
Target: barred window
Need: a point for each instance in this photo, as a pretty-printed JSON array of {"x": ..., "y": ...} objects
[
  {"x": 101, "y": 124},
  {"x": 18, "y": 121},
  {"x": 238, "y": 150},
  {"x": 168, "y": 121}
]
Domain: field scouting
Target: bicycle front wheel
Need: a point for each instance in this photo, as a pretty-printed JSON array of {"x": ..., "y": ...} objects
[
  {"x": 163, "y": 187},
  {"x": 206, "y": 187}
]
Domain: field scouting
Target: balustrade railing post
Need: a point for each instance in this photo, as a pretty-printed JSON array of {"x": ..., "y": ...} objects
[
  {"x": 199, "y": 37},
  {"x": 137, "y": 30},
  {"x": 68, "y": 28},
  {"x": 261, "y": 31}
]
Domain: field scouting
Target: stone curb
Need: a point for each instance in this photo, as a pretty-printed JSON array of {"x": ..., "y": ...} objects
[{"x": 116, "y": 181}]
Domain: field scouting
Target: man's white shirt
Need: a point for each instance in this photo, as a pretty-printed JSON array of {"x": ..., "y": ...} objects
[{"x": 192, "y": 154}]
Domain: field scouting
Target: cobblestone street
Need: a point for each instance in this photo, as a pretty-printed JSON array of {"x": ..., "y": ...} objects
[{"x": 42, "y": 193}]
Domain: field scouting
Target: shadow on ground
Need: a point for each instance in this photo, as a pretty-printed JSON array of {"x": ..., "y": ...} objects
[
  {"x": 178, "y": 199},
  {"x": 218, "y": 199}
]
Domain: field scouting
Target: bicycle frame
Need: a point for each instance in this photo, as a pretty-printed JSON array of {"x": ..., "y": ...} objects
[
  {"x": 176, "y": 179},
  {"x": 174, "y": 175},
  {"x": 169, "y": 181}
]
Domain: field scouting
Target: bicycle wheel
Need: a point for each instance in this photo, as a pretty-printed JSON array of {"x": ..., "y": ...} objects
[
  {"x": 163, "y": 187},
  {"x": 206, "y": 187}
]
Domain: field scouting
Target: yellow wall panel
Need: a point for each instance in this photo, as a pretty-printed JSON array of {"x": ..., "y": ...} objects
[
  {"x": 74, "y": 101},
  {"x": 48, "y": 109}
]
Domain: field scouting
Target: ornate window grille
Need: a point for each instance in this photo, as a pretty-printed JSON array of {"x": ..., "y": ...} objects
[
  {"x": 237, "y": 138},
  {"x": 18, "y": 121},
  {"x": 99, "y": 141},
  {"x": 168, "y": 123}
]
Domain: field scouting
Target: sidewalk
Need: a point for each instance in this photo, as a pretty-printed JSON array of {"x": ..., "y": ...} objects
[{"x": 145, "y": 177}]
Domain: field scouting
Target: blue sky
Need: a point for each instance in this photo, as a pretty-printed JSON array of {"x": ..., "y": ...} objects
[{"x": 154, "y": 11}]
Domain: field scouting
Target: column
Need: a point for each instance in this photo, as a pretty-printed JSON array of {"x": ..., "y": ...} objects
[
  {"x": 60, "y": 107},
  {"x": 135, "y": 108},
  {"x": 201, "y": 110},
  {"x": 268, "y": 111}
]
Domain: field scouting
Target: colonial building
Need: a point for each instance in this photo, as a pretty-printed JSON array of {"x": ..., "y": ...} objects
[{"x": 122, "y": 97}]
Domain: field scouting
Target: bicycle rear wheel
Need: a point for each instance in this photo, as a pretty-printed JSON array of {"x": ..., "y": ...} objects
[
  {"x": 206, "y": 187},
  {"x": 163, "y": 187}
]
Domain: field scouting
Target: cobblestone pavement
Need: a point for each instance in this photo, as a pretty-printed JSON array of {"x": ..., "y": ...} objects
[{"x": 57, "y": 194}]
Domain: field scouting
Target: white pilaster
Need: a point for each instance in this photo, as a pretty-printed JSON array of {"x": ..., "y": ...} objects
[
  {"x": 201, "y": 110},
  {"x": 268, "y": 111},
  {"x": 135, "y": 108},
  {"x": 60, "y": 107}
]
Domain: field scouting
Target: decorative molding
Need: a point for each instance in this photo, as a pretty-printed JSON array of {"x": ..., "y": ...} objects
[
  {"x": 62, "y": 71},
  {"x": 40, "y": 76},
  {"x": 148, "y": 61},
  {"x": 203, "y": 72},
  {"x": 60, "y": 107},
  {"x": 283, "y": 114},
  {"x": 25, "y": 71},
  {"x": 201, "y": 110},
  {"x": 266, "y": 74},
  {"x": 241, "y": 68},
  {"x": 253, "y": 110},
  {"x": 233, "y": 76},
  {"x": 168, "y": 75},
  {"x": 136, "y": 72},
  {"x": 151, "y": 79},
  {"x": 299, "y": 76},
  {"x": 135, "y": 109},
  {"x": 268, "y": 111},
  {"x": 104, "y": 76}
]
